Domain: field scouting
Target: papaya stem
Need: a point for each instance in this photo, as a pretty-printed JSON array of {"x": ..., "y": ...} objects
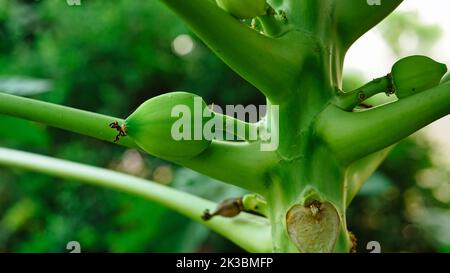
[
  {"x": 63, "y": 117},
  {"x": 389, "y": 123}
]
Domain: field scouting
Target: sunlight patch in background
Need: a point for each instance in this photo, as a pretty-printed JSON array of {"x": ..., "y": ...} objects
[{"x": 183, "y": 45}]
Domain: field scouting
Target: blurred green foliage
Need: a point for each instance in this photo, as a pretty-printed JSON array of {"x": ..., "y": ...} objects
[
  {"x": 405, "y": 31},
  {"x": 109, "y": 57}
]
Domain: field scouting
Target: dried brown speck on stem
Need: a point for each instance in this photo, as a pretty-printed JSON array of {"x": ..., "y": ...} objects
[{"x": 227, "y": 208}]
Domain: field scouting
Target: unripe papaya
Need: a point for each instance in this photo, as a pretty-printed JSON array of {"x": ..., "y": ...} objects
[
  {"x": 151, "y": 126},
  {"x": 415, "y": 74},
  {"x": 243, "y": 9}
]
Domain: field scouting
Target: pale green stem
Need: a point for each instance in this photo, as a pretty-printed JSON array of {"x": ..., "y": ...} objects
[
  {"x": 241, "y": 129},
  {"x": 240, "y": 163},
  {"x": 250, "y": 232},
  {"x": 67, "y": 118}
]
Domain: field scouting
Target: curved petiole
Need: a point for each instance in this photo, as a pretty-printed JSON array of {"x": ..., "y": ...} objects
[
  {"x": 353, "y": 135},
  {"x": 248, "y": 231}
]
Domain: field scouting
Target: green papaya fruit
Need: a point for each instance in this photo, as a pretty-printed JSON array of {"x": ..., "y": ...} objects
[
  {"x": 170, "y": 126},
  {"x": 243, "y": 9},
  {"x": 415, "y": 74}
]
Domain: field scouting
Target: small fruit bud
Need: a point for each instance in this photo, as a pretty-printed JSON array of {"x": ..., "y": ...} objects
[
  {"x": 415, "y": 74},
  {"x": 243, "y": 9},
  {"x": 151, "y": 125}
]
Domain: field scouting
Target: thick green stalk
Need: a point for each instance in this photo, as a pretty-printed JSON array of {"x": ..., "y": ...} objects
[
  {"x": 305, "y": 163},
  {"x": 248, "y": 173},
  {"x": 381, "y": 127},
  {"x": 240, "y": 163},
  {"x": 250, "y": 232}
]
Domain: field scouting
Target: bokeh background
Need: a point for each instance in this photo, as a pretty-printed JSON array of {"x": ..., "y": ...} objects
[{"x": 110, "y": 56}]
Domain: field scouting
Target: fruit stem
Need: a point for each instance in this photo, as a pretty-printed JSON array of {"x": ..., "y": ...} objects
[
  {"x": 242, "y": 130},
  {"x": 349, "y": 100},
  {"x": 63, "y": 117}
]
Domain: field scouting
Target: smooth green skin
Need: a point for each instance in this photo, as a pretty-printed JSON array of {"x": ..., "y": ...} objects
[
  {"x": 326, "y": 151},
  {"x": 150, "y": 126},
  {"x": 243, "y": 9},
  {"x": 414, "y": 74}
]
